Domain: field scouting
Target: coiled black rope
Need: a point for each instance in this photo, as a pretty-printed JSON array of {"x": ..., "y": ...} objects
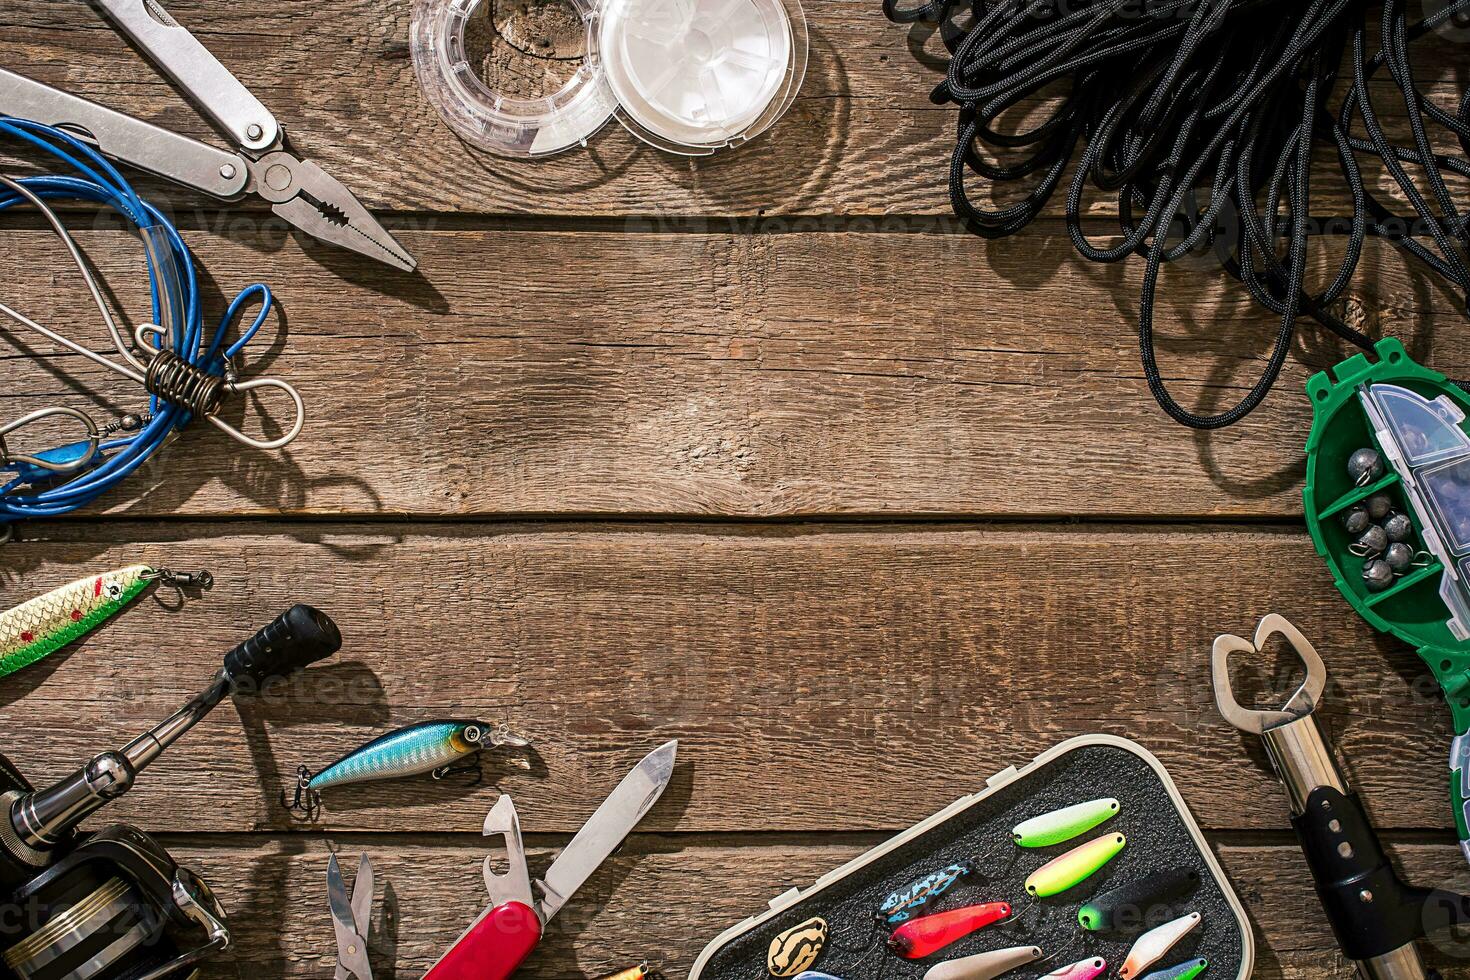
[{"x": 1202, "y": 117}]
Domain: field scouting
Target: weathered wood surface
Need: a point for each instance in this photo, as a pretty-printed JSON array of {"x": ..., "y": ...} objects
[
  {"x": 662, "y": 898},
  {"x": 794, "y": 330},
  {"x": 861, "y": 139},
  {"x": 798, "y": 374},
  {"x": 817, "y": 667}
]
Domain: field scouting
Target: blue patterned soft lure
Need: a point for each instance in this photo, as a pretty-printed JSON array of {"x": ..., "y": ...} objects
[
  {"x": 903, "y": 904},
  {"x": 430, "y": 746}
]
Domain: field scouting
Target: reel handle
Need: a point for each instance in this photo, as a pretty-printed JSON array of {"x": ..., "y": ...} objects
[
  {"x": 297, "y": 638},
  {"x": 42, "y": 821}
]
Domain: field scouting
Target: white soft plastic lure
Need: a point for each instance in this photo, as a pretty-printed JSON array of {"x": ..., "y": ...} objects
[
  {"x": 47, "y": 623},
  {"x": 1155, "y": 943},
  {"x": 984, "y": 966}
]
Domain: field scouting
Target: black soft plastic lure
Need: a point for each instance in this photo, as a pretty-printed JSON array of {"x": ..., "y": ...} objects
[{"x": 1129, "y": 908}]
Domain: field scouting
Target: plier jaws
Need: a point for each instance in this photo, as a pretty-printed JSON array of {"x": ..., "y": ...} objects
[{"x": 306, "y": 196}]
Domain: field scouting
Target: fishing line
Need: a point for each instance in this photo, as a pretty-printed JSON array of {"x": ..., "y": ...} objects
[
  {"x": 1199, "y": 118},
  {"x": 169, "y": 357}
]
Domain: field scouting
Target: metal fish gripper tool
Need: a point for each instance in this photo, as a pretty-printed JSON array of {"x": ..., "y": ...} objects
[{"x": 1376, "y": 917}]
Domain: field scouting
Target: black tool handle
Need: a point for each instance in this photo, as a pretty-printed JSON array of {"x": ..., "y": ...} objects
[
  {"x": 1370, "y": 908},
  {"x": 298, "y": 637}
]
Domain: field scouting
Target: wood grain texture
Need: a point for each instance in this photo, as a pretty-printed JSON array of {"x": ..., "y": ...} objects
[
  {"x": 795, "y": 374},
  {"x": 792, "y": 330},
  {"x": 862, "y": 138},
  {"x": 662, "y": 899},
  {"x": 859, "y": 677}
]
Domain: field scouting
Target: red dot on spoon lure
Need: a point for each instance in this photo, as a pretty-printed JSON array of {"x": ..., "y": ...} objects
[{"x": 931, "y": 933}]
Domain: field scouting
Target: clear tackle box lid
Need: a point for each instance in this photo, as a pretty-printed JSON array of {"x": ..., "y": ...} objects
[{"x": 1426, "y": 446}]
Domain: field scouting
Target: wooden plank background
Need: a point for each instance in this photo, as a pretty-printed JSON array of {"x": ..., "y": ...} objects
[{"x": 758, "y": 451}]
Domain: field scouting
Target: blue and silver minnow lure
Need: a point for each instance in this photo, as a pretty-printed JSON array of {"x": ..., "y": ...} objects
[{"x": 430, "y": 746}]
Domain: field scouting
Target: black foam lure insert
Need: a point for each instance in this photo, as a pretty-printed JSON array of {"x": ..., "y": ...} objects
[{"x": 1159, "y": 843}]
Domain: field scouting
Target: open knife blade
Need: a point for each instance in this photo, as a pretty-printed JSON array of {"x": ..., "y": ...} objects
[{"x": 606, "y": 828}]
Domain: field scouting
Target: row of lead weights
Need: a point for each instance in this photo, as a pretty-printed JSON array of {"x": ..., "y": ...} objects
[{"x": 1381, "y": 536}]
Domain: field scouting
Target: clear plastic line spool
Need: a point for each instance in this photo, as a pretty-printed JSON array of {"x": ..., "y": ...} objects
[
  {"x": 695, "y": 76},
  {"x": 491, "y": 120},
  {"x": 686, "y": 76}
]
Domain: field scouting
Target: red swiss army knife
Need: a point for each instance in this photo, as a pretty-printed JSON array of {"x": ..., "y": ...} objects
[{"x": 502, "y": 937}]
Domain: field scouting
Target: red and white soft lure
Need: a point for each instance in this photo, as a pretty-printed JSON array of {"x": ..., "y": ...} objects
[{"x": 47, "y": 623}]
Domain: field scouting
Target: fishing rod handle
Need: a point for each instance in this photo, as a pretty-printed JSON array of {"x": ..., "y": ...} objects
[{"x": 298, "y": 637}]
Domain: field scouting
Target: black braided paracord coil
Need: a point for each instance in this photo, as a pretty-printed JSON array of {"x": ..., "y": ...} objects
[{"x": 1201, "y": 117}]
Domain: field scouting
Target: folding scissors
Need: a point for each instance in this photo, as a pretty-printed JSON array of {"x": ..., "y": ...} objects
[
  {"x": 351, "y": 919},
  {"x": 299, "y": 191}
]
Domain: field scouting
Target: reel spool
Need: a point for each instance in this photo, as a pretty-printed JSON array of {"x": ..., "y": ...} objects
[
  {"x": 118, "y": 907},
  {"x": 686, "y": 76}
]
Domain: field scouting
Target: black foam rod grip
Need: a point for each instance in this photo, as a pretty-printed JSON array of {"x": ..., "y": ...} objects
[{"x": 299, "y": 636}]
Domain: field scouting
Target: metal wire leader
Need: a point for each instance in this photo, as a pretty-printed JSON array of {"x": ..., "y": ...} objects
[{"x": 184, "y": 376}]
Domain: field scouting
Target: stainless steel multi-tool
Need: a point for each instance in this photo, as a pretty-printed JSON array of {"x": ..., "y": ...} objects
[{"x": 299, "y": 191}]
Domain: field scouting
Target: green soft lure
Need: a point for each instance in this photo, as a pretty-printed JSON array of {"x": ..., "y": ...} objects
[
  {"x": 1064, "y": 824},
  {"x": 1074, "y": 867},
  {"x": 45, "y": 624}
]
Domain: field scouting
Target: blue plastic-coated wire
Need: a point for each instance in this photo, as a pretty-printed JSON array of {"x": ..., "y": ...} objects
[{"x": 34, "y": 492}]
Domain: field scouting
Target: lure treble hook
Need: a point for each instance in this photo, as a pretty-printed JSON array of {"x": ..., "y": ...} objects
[
  {"x": 444, "y": 772},
  {"x": 307, "y": 802}
]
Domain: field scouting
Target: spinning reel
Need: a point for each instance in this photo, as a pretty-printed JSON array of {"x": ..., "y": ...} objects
[{"x": 114, "y": 905}]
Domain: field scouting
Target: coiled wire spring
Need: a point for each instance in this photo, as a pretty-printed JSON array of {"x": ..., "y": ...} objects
[{"x": 174, "y": 379}]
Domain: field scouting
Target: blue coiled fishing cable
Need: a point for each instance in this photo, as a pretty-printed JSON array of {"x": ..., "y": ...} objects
[{"x": 98, "y": 181}]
